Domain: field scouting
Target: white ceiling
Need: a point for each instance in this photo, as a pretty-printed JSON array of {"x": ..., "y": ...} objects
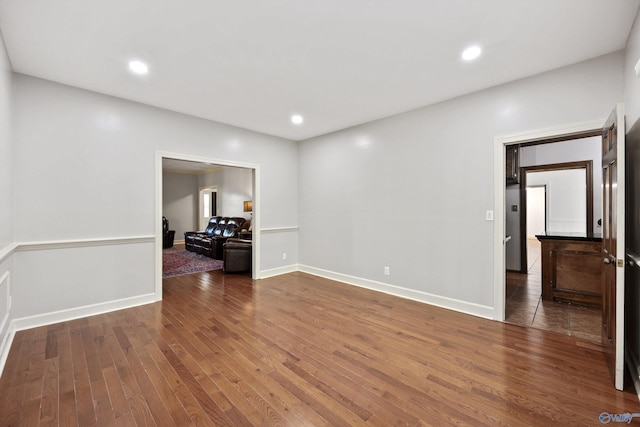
[{"x": 339, "y": 63}]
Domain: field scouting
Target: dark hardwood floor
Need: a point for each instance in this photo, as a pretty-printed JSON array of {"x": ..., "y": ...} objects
[{"x": 299, "y": 350}]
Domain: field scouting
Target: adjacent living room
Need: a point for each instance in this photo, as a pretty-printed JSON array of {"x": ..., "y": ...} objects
[{"x": 207, "y": 216}]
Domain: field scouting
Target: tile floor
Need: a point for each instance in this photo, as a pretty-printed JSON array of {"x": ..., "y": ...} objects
[{"x": 524, "y": 305}]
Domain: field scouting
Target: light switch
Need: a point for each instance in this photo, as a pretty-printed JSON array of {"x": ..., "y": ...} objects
[{"x": 489, "y": 215}]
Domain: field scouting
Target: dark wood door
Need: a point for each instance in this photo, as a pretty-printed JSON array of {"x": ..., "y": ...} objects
[
  {"x": 632, "y": 272},
  {"x": 612, "y": 242}
]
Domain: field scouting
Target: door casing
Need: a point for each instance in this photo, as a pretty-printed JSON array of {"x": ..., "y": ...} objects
[
  {"x": 553, "y": 134},
  {"x": 158, "y": 214}
]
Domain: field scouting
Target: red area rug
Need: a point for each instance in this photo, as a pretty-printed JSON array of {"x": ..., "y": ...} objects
[{"x": 176, "y": 262}]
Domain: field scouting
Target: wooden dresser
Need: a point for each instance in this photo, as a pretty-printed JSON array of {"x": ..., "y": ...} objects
[{"x": 571, "y": 268}]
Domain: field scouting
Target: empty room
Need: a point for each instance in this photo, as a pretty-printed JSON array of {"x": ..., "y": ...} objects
[{"x": 246, "y": 213}]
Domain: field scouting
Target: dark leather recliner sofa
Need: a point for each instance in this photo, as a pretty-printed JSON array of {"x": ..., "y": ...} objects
[
  {"x": 190, "y": 236},
  {"x": 209, "y": 242}
]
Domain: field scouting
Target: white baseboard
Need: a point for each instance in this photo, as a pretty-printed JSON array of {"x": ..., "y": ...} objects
[
  {"x": 79, "y": 312},
  {"x": 412, "y": 294},
  {"x": 65, "y": 315},
  {"x": 279, "y": 270},
  {"x": 5, "y": 346},
  {"x": 5, "y": 328},
  {"x": 634, "y": 367},
  {"x": 5, "y": 287}
]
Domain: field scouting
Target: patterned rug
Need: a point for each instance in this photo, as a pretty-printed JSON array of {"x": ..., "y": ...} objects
[{"x": 176, "y": 262}]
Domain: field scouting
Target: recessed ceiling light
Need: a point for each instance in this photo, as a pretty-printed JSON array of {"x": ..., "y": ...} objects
[
  {"x": 138, "y": 67},
  {"x": 471, "y": 53},
  {"x": 297, "y": 119}
]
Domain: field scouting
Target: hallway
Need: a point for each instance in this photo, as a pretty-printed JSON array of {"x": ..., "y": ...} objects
[{"x": 524, "y": 305}]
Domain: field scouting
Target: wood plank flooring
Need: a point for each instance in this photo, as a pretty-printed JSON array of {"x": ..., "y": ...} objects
[{"x": 298, "y": 350}]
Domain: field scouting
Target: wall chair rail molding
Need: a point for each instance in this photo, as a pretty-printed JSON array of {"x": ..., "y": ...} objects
[
  {"x": 82, "y": 243},
  {"x": 7, "y": 251},
  {"x": 279, "y": 229}
]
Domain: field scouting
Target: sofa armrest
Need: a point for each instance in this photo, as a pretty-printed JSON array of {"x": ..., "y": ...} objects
[{"x": 239, "y": 241}]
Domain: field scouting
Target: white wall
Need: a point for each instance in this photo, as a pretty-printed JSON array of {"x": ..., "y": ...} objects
[
  {"x": 6, "y": 155},
  {"x": 6, "y": 197},
  {"x": 566, "y": 199},
  {"x": 572, "y": 151},
  {"x": 536, "y": 215},
  {"x": 237, "y": 189},
  {"x": 234, "y": 187},
  {"x": 180, "y": 202},
  {"x": 410, "y": 191},
  {"x": 631, "y": 82},
  {"x": 70, "y": 142}
]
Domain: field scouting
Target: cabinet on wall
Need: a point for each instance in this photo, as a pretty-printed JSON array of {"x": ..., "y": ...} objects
[
  {"x": 513, "y": 164},
  {"x": 571, "y": 269}
]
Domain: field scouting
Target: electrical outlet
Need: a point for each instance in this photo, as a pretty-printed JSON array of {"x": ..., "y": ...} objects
[
  {"x": 489, "y": 215},
  {"x": 386, "y": 271},
  {"x": 284, "y": 255}
]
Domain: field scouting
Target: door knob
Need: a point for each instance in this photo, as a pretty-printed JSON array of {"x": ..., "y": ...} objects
[{"x": 606, "y": 261}]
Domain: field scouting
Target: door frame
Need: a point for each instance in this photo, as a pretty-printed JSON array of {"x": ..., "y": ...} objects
[
  {"x": 255, "y": 246},
  {"x": 587, "y": 165},
  {"x": 558, "y": 133}
]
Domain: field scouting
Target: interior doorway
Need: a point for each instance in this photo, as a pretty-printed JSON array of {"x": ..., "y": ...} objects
[
  {"x": 256, "y": 211},
  {"x": 553, "y": 198},
  {"x": 571, "y": 131},
  {"x": 568, "y": 201}
]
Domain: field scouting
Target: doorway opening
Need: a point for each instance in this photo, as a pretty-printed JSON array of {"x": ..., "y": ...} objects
[
  {"x": 555, "y": 199},
  {"x": 569, "y": 208},
  {"x": 232, "y": 205},
  {"x": 505, "y": 200}
]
